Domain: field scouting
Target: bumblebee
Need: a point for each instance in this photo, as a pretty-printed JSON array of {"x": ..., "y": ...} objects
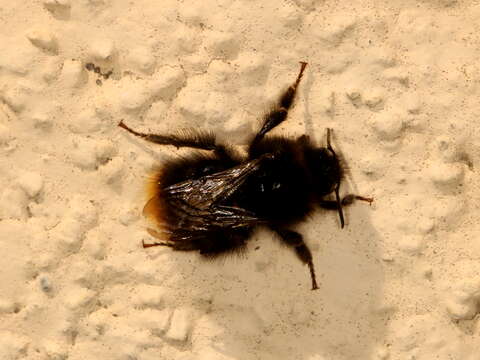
[{"x": 211, "y": 201}]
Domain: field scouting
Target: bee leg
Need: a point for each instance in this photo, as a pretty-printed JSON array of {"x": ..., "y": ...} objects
[
  {"x": 191, "y": 139},
  {"x": 337, "y": 204},
  {"x": 295, "y": 240},
  {"x": 154, "y": 244},
  {"x": 186, "y": 246},
  {"x": 347, "y": 200},
  {"x": 350, "y": 198},
  {"x": 181, "y": 245},
  {"x": 279, "y": 113}
]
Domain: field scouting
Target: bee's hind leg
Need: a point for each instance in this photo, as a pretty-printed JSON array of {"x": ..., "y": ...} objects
[
  {"x": 179, "y": 244},
  {"x": 192, "y": 139},
  {"x": 154, "y": 244}
]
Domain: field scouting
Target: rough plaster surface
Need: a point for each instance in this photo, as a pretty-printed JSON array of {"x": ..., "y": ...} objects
[{"x": 397, "y": 81}]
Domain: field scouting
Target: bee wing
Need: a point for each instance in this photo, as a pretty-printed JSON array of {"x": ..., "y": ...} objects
[
  {"x": 150, "y": 209},
  {"x": 199, "y": 204},
  {"x": 205, "y": 192}
]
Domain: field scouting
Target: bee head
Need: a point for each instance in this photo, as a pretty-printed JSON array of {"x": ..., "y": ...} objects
[{"x": 325, "y": 170}]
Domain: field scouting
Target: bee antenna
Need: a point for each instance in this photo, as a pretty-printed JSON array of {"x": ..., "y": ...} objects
[
  {"x": 337, "y": 189},
  {"x": 329, "y": 145},
  {"x": 339, "y": 206}
]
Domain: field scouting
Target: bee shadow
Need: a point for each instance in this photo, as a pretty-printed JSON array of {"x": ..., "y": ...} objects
[{"x": 259, "y": 305}]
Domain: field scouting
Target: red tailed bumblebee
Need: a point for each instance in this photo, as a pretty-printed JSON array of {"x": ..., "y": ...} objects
[{"x": 211, "y": 201}]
